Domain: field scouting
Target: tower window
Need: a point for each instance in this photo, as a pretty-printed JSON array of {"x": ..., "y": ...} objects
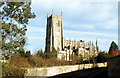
[{"x": 59, "y": 23}]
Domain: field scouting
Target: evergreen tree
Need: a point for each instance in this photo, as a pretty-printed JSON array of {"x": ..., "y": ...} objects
[
  {"x": 15, "y": 17},
  {"x": 113, "y": 47},
  {"x": 52, "y": 54},
  {"x": 102, "y": 57},
  {"x": 28, "y": 54},
  {"x": 40, "y": 53}
]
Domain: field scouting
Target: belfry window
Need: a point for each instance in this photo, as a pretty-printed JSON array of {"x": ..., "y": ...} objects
[{"x": 59, "y": 23}]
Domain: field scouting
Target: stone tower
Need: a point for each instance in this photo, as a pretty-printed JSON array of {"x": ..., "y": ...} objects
[{"x": 54, "y": 33}]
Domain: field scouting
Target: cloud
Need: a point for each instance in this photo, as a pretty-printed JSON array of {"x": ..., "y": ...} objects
[
  {"x": 111, "y": 24},
  {"x": 90, "y": 34},
  {"x": 80, "y": 12},
  {"x": 78, "y": 25},
  {"x": 71, "y": 8},
  {"x": 60, "y": 1},
  {"x": 35, "y": 29},
  {"x": 35, "y": 34},
  {"x": 34, "y": 38}
]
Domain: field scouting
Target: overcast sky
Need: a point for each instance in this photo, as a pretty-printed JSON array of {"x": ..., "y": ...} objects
[{"x": 82, "y": 20}]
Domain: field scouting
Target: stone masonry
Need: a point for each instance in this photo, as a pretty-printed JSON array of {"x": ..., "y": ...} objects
[{"x": 66, "y": 48}]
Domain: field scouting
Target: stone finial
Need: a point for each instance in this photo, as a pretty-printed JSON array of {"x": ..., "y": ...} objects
[
  {"x": 47, "y": 15},
  {"x": 96, "y": 42},
  {"x": 92, "y": 43}
]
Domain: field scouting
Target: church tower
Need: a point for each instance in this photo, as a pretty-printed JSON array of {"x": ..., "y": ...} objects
[{"x": 54, "y": 33}]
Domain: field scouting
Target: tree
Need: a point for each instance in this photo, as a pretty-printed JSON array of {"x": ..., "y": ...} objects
[
  {"x": 40, "y": 53},
  {"x": 28, "y": 54},
  {"x": 102, "y": 57},
  {"x": 15, "y": 17},
  {"x": 113, "y": 46},
  {"x": 52, "y": 54},
  {"x": 77, "y": 59},
  {"x": 113, "y": 50}
]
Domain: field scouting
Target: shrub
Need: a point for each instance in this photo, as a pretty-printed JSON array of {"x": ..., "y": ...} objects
[
  {"x": 40, "y": 53},
  {"x": 9, "y": 70},
  {"x": 102, "y": 57},
  {"x": 38, "y": 61},
  {"x": 35, "y": 61},
  {"x": 19, "y": 61},
  {"x": 77, "y": 60}
]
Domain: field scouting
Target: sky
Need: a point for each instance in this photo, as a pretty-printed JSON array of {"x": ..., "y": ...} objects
[{"x": 82, "y": 20}]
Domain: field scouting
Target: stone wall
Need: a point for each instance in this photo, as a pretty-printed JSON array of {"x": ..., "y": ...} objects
[
  {"x": 55, "y": 70},
  {"x": 114, "y": 67}
]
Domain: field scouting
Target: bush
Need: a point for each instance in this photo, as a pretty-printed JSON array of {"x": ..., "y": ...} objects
[
  {"x": 38, "y": 61},
  {"x": 19, "y": 61},
  {"x": 9, "y": 70},
  {"x": 40, "y": 53},
  {"x": 102, "y": 57},
  {"x": 35, "y": 61},
  {"x": 77, "y": 60}
]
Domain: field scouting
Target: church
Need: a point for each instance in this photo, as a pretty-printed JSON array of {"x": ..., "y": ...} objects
[{"x": 66, "y": 49}]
